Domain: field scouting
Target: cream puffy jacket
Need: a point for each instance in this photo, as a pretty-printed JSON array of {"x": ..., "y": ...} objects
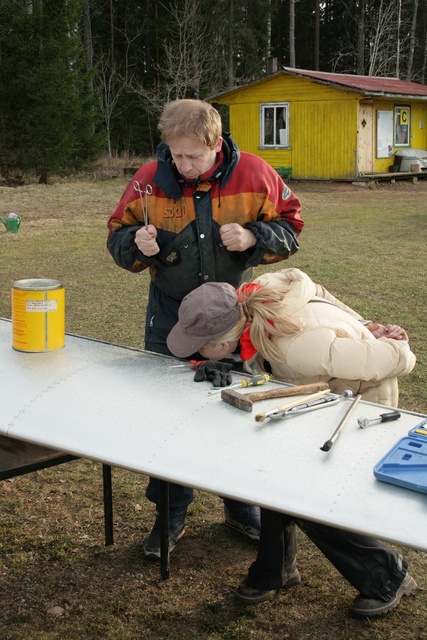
[{"x": 334, "y": 346}]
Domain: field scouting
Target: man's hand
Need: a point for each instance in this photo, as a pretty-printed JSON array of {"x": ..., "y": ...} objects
[
  {"x": 236, "y": 238},
  {"x": 145, "y": 240}
]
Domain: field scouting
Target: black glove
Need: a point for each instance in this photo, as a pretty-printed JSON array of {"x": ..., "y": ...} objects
[{"x": 217, "y": 372}]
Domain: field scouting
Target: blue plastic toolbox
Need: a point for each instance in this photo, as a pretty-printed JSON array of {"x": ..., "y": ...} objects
[{"x": 406, "y": 463}]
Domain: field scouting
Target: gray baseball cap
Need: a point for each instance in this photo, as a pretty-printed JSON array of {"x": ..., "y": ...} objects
[{"x": 205, "y": 313}]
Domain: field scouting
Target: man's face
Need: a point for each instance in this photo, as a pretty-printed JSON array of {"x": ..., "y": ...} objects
[
  {"x": 219, "y": 350},
  {"x": 192, "y": 158}
]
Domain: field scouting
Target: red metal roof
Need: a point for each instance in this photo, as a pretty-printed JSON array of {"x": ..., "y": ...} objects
[{"x": 366, "y": 84}]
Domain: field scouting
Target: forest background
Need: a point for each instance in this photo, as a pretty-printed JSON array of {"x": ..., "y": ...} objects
[{"x": 81, "y": 78}]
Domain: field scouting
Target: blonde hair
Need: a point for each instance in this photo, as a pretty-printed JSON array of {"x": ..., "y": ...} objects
[
  {"x": 191, "y": 118},
  {"x": 261, "y": 306},
  {"x": 264, "y": 307}
]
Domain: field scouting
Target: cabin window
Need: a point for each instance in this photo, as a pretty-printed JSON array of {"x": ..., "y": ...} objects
[
  {"x": 402, "y": 117},
  {"x": 275, "y": 124}
]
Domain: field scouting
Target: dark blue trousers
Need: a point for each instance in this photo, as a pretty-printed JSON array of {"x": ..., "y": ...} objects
[
  {"x": 374, "y": 569},
  {"x": 162, "y": 315}
]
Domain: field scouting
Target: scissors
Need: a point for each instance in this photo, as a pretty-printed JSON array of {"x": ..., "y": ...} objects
[{"x": 146, "y": 192}]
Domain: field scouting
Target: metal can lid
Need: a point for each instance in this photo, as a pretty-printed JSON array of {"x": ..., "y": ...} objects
[{"x": 37, "y": 284}]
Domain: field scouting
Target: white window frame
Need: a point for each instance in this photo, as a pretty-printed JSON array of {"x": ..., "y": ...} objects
[
  {"x": 277, "y": 140},
  {"x": 398, "y": 126}
]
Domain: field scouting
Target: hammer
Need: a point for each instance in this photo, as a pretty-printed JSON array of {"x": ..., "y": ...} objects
[{"x": 244, "y": 401}]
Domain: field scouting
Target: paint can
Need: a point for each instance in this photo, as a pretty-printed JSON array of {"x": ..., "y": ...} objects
[{"x": 38, "y": 315}]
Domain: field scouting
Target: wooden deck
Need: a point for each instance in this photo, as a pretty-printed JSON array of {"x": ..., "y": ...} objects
[{"x": 392, "y": 177}]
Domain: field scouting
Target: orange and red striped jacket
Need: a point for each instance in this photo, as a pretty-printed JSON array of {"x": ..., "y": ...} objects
[{"x": 241, "y": 188}]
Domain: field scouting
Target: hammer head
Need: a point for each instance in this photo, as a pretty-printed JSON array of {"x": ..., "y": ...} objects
[
  {"x": 237, "y": 399},
  {"x": 245, "y": 401}
]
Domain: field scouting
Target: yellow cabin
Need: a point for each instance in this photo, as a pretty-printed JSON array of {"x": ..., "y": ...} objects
[{"x": 315, "y": 125}]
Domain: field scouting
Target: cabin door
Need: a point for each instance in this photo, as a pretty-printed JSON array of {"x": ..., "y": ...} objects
[{"x": 365, "y": 139}]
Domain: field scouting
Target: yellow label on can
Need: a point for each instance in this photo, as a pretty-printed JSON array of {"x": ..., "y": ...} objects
[{"x": 38, "y": 315}]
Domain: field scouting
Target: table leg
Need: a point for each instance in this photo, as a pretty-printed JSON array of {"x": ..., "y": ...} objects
[
  {"x": 164, "y": 529},
  {"x": 108, "y": 505}
]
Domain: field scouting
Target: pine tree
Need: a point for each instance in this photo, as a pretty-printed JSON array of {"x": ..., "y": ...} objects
[
  {"x": 56, "y": 132},
  {"x": 15, "y": 45}
]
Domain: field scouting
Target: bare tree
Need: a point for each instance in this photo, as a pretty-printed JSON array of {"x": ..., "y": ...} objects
[
  {"x": 230, "y": 44},
  {"x": 377, "y": 47},
  {"x": 189, "y": 59},
  {"x": 412, "y": 41},
  {"x": 87, "y": 35},
  {"x": 110, "y": 86},
  {"x": 424, "y": 45},
  {"x": 317, "y": 36},
  {"x": 382, "y": 33},
  {"x": 399, "y": 19},
  {"x": 361, "y": 39},
  {"x": 292, "y": 33}
]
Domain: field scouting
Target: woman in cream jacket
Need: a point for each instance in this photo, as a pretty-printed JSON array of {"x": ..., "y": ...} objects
[
  {"x": 306, "y": 335},
  {"x": 302, "y": 330},
  {"x": 334, "y": 344}
]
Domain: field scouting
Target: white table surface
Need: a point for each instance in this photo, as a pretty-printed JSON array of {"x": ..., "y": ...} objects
[{"x": 129, "y": 408}]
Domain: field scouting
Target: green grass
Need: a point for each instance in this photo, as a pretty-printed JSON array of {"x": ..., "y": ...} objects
[{"x": 368, "y": 247}]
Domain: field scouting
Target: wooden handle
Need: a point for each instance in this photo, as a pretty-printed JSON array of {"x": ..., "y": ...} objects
[
  {"x": 283, "y": 392},
  {"x": 293, "y": 403},
  {"x": 328, "y": 444}
]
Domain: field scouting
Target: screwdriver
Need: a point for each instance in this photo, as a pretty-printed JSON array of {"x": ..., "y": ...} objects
[
  {"x": 193, "y": 364},
  {"x": 255, "y": 381},
  {"x": 383, "y": 417}
]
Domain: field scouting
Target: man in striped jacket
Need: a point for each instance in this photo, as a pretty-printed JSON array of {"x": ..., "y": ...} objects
[{"x": 202, "y": 212}]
